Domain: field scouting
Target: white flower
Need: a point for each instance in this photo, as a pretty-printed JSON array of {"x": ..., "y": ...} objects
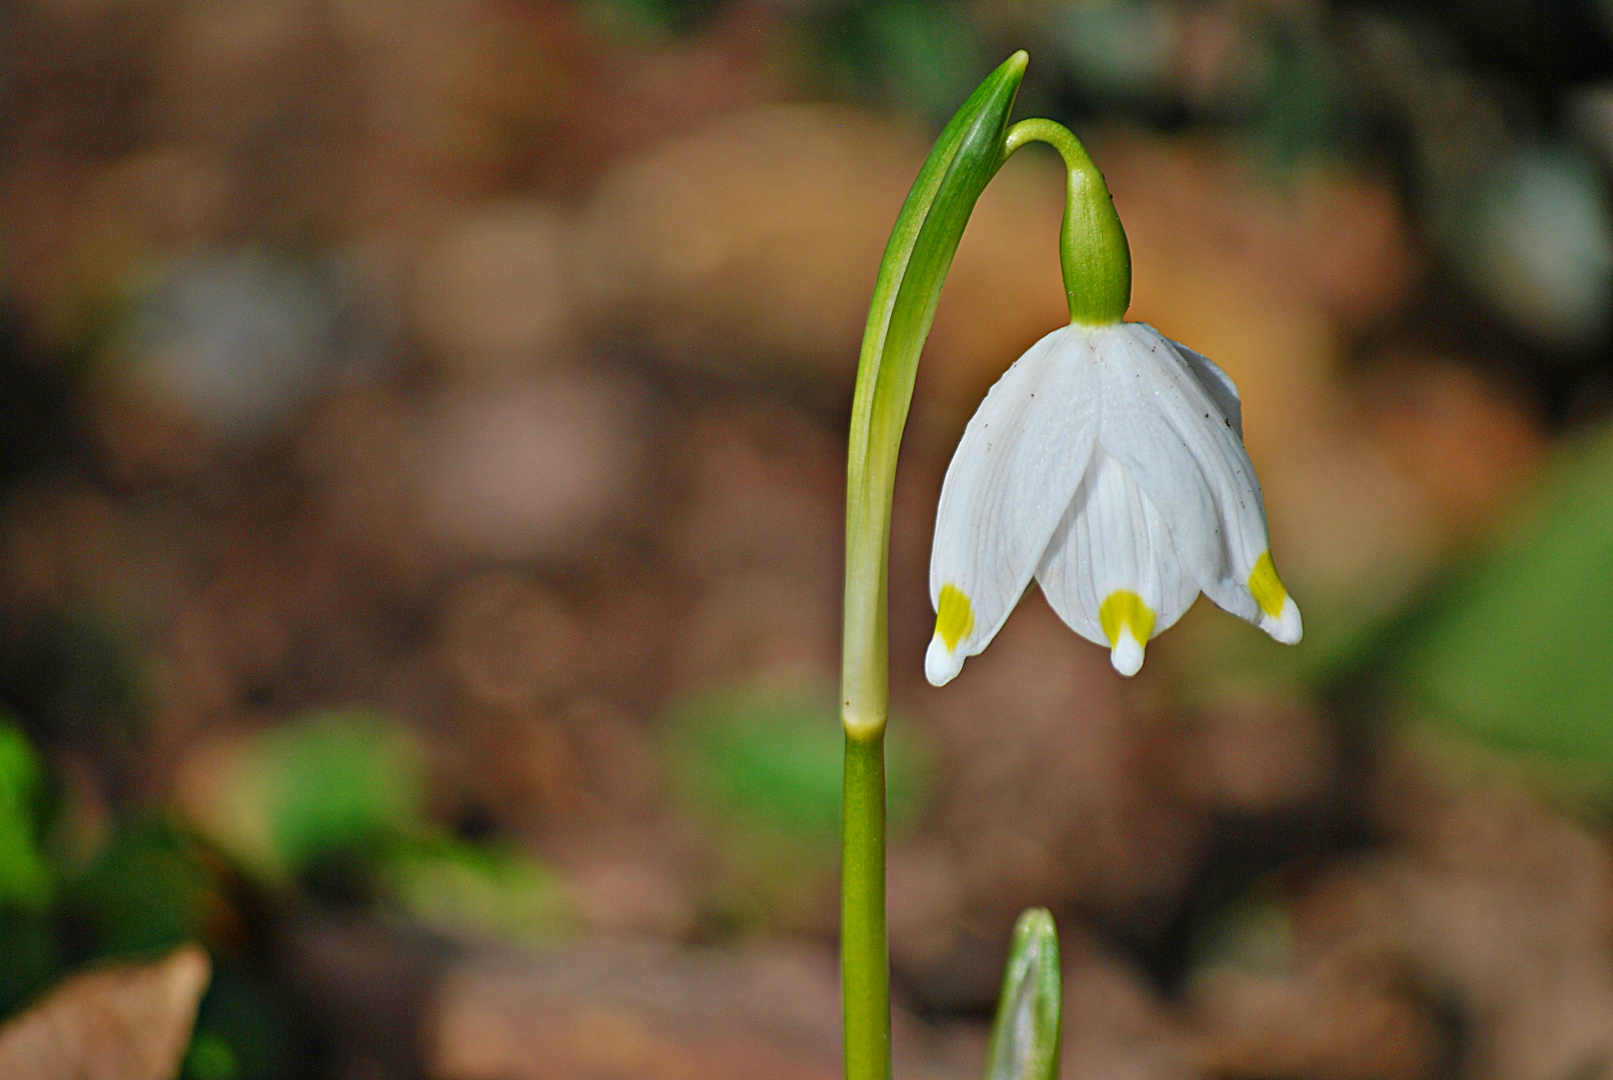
[{"x": 1108, "y": 462}]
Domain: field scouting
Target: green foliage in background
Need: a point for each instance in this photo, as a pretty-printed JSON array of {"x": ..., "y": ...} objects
[
  {"x": 649, "y": 19},
  {"x": 1519, "y": 651},
  {"x": 343, "y": 789},
  {"x": 336, "y": 780},
  {"x": 768, "y": 763},
  {"x": 330, "y": 782},
  {"x": 150, "y": 886},
  {"x": 25, "y": 880},
  {"x": 919, "y": 55},
  {"x": 239, "y": 1032},
  {"x": 30, "y": 955},
  {"x": 485, "y": 890},
  {"x": 336, "y": 801},
  {"x": 761, "y": 770},
  {"x": 29, "y": 951},
  {"x": 147, "y": 891},
  {"x": 1300, "y": 112},
  {"x": 210, "y": 1057}
]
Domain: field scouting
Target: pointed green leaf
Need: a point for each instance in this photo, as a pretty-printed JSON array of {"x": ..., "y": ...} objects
[
  {"x": 964, "y": 159},
  {"x": 1025, "y": 1036}
]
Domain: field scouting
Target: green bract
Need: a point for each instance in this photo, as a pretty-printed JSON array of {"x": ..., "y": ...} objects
[{"x": 917, "y": 258}]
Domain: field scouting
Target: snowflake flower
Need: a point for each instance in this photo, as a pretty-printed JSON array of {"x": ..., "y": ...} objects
[{"x": 1108, "y": 463}]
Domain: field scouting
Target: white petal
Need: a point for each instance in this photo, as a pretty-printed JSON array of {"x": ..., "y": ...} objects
[
  {"x": 1217, "y": 383},
  {"x": 1147, "y": 396},
  {"x": 1114, "y": 541},
  {"x": 1010, "y": 481},
  {"x": 1164, "y": 416}
]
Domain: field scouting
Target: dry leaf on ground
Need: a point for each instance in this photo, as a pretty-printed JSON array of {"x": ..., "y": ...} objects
[{"x": 130, "y": 1022}]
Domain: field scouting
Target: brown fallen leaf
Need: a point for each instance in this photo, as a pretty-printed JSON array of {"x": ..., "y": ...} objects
[
  {"x": 631, "y": 1009},
  {"x": 130, "y": 1022},
  {"x": 1319, "y": 1023}
]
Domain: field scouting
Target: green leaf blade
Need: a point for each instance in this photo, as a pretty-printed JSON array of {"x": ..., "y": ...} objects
[
  {"x": 923, "y": 242},
  {"x": 1026, "y": 1033}
]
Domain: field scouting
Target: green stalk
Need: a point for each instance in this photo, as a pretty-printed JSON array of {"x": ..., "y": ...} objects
[
  {"x": 865, "y": 970},
  {"x": 965, "y": 158},
  {"x": 1093, "y": 252}
]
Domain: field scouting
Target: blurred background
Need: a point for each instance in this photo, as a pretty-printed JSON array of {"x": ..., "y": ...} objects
[{"x": 421, "y": 474}]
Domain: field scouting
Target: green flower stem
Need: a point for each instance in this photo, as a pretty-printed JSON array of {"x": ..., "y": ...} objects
[
  {"x": 1093, "y": 252},
  {"x": 865, "y": 967}
]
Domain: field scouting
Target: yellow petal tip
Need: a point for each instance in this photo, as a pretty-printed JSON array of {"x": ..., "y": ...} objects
[
  {"x": 954, "y": 616},
  {"x": 1128, "y": 623},
  {"x": 1267, "y": 587},
  {"x": 1279, "y": 615}
]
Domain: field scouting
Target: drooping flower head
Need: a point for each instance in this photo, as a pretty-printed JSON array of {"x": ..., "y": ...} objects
[{"x": 1108, "y": 464}]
